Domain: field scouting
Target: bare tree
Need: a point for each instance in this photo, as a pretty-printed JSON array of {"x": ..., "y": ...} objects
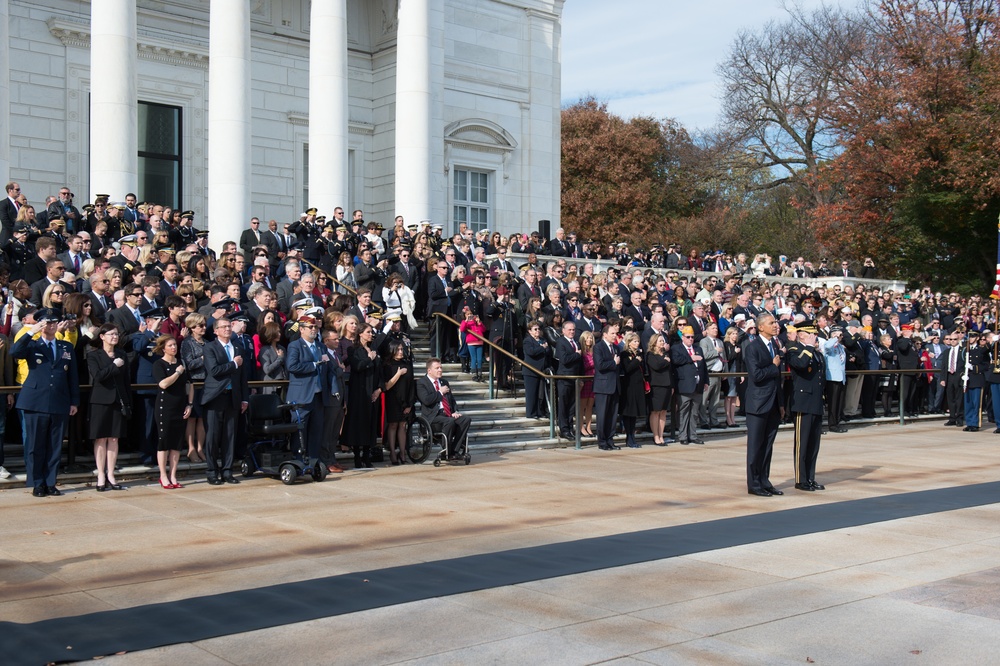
[{"x": 780, "y": 86}]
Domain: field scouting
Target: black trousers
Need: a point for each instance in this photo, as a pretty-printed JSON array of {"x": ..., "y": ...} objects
[
  {"x": 532, "y": 395},
  {"x": 455, "y": 430},
  {"x": 220, "y": 435},
  {"x": 868, "y": 391},
  {"x": 566, "y": 396},
  {"x": 955, "y": 397},
  {"x": 807, "y": 434},
  {"x": 333, "y": 420},
  {"x": 761, "y": 431},
  {"x": 834, "y": 402},
  {"x": 606, "y": 409}
]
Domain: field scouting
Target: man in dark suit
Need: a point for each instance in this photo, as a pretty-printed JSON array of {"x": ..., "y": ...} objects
[
  {"x": 440, "y": 409},
  {"x": 333, "y": 413},
  {"x": 606, "y": 362},
  {"x": 691, "y": 379},
  {"x": 407, "y": 269},
  {"x": 36, "y": 268},
  {"x": 950, "y": 378},
  {"x": 102, "y": 302},
  {"x": 588, "y": 320},
  {"x": 637, "y": 311},
  {"x": 225, "y": 397},
  {"x": 49, "y": 396},
  {"x": 55, "y": 269},
  {"x": 251, "y": 238},
  {"x": 128, "y": 317},
  {"x": 8, "y": 212},
  {"x": 762, "y": 357},
  {"x": 501, "y": 264},
  {"x": 570, "y": 360},
  {"x": 438, "y": 301},
  {"x": 808, "y": 380},
  {"x": 308, "y": 383}
]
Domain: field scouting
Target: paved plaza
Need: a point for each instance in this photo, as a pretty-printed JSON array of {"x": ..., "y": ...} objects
[{"x": 651, "y": 556}]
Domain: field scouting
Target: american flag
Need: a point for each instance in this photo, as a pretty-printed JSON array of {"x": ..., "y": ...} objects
[{"x": 996, "y": 287}]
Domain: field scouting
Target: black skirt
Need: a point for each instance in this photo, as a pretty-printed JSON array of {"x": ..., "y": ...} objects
[
  {"x": 659, "y": 398},
  {"x": 106, "y": 421}
]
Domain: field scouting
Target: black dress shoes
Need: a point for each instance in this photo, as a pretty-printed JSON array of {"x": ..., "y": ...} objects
[
  {"x": 759, "y": 492},
  {"x": 950, "y": 423},
  {"x": 817, "y": 486},
  {"x": 774, "y": 491},
  {"x": 214, "y": 481},
  {"x": 697, "y": 441},
  {"x": 230, "y": 479},
  {"x": 40, "y": 491},
  {"x": 997, "y": 431},
  {"x": 684, "y": 442},
  {"x": 804, "y": 486},
  {"x": 838, "y": 429},
  {"x": 52, "y": 490}
]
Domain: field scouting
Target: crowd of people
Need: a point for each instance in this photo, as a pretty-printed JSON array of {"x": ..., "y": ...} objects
[{"x": 129, "y": 294}]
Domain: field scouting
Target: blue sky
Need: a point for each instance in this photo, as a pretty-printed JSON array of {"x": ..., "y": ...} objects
[{"x": 657, "y": 57}]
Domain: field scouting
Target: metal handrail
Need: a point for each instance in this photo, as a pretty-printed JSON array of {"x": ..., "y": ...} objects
[{"x": 349, "y": 288}]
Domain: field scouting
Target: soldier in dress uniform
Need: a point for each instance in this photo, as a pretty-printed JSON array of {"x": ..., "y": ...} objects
[
  {"x": 808, "y": 380},
  {"x": 184, "y": 234},
  {"x": 201, "y": 241},
  {"x": 18, "y": 253},
  {"x": 128, "y": 256},
  {"x": 993, "y": 378},
  {"x": 977, "y": 361}
]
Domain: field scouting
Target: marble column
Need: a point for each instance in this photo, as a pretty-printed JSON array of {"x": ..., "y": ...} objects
[
  {"x": 114, "y": 137},
  {"x": 228, "y": 121},
  {"x": 4, "y": 94},
  {"x": 328, "y": 110},
  {"x": 413, "y": 110}
]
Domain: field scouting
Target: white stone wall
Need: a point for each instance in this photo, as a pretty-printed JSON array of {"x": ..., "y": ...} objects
[{"x": 496, "y": 102}]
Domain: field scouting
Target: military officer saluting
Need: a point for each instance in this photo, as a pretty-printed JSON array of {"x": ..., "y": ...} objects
[
  {"x": 993, "y": 378},
  {"x": 809, "y": 382}
]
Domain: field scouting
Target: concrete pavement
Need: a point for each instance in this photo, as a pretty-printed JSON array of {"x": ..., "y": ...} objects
[{"x": 923, "y": 585}]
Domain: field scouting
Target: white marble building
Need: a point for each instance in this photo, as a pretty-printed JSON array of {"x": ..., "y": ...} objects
[{"x": 434, "y": 109}]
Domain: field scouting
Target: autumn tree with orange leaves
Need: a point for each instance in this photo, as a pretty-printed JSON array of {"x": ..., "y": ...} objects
[{"x": 918, "y": 180}]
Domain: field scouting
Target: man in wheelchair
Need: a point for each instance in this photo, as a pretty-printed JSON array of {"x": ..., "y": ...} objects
[{"x": 440, "y": 409}]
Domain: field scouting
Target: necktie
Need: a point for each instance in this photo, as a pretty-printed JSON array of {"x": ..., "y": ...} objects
[
  {"x": 770, "y": 349},
  {"x": 229, "y": 353},
  {"x": 76, "y": 264},
  {"x": 953, "y": 360},
  {"x": 53, "y": 346},
  {"x": 444, "y": 399},
  {"x": 691, "y": 352},
  {"x": 138, "y": 319}
]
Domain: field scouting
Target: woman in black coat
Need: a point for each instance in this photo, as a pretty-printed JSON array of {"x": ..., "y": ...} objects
[
  {"x": 110, "y": 403},
  {"x": 536, "y": 354},
  {"x": 632, "y": 402},
  {"x": 661, "y": 384},
  {"x": 363, "y": 394}
]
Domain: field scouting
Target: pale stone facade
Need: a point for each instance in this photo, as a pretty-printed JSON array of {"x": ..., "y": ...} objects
[{"x": 473, "y": 116}]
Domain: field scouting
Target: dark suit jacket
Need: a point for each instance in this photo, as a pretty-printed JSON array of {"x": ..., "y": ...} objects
[
  {"x": 8, "y": 213},
  {"x": 691, "y": 376},
  {"x": 34, "y": 270},
  {"x": 535, "y": 354},
  {"x": 52, "y": 385},
  {"x": 437, "y": 298},
  {"x": 570, "y": 360},
  {"x": 410, "y": 273},
  {"x": 605, "y": 369},
  {"x": 123, "y": 319},
  {"x": 99, "y": 312},
  {"x": 430, "y": 399},
  {"x": 248, "y": 242},
  {"x": 764, "y": 378},
  {"x": 110, "y": 382},
  {"x": 220, "y": 371}
]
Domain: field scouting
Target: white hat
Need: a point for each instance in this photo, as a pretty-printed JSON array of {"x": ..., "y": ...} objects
[{"x": 740, "y": 317}]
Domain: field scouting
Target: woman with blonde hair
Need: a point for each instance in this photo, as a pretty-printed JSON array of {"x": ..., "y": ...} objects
[
  {"x": 193, "y": 359},
  {"x": 661, "y": 386}
]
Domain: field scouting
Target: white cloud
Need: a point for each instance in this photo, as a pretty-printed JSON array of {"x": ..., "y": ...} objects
[{"x": 656, "y": 57}]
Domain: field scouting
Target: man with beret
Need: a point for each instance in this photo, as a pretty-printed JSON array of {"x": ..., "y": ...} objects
[
  {"x": 808, "y": 379},
  {"x": 49, "y": 396}
]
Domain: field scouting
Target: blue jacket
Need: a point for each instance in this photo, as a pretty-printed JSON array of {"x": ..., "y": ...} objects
[
  {"x": 53, "y": 385},
  {"x": 305, "y": 375},
  {"x": 836, "y": 360}
]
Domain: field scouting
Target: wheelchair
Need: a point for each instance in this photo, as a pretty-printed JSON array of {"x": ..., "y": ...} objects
[
  {"x": 276, "y": 446},
  {"x": 421, "y": 437}
]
